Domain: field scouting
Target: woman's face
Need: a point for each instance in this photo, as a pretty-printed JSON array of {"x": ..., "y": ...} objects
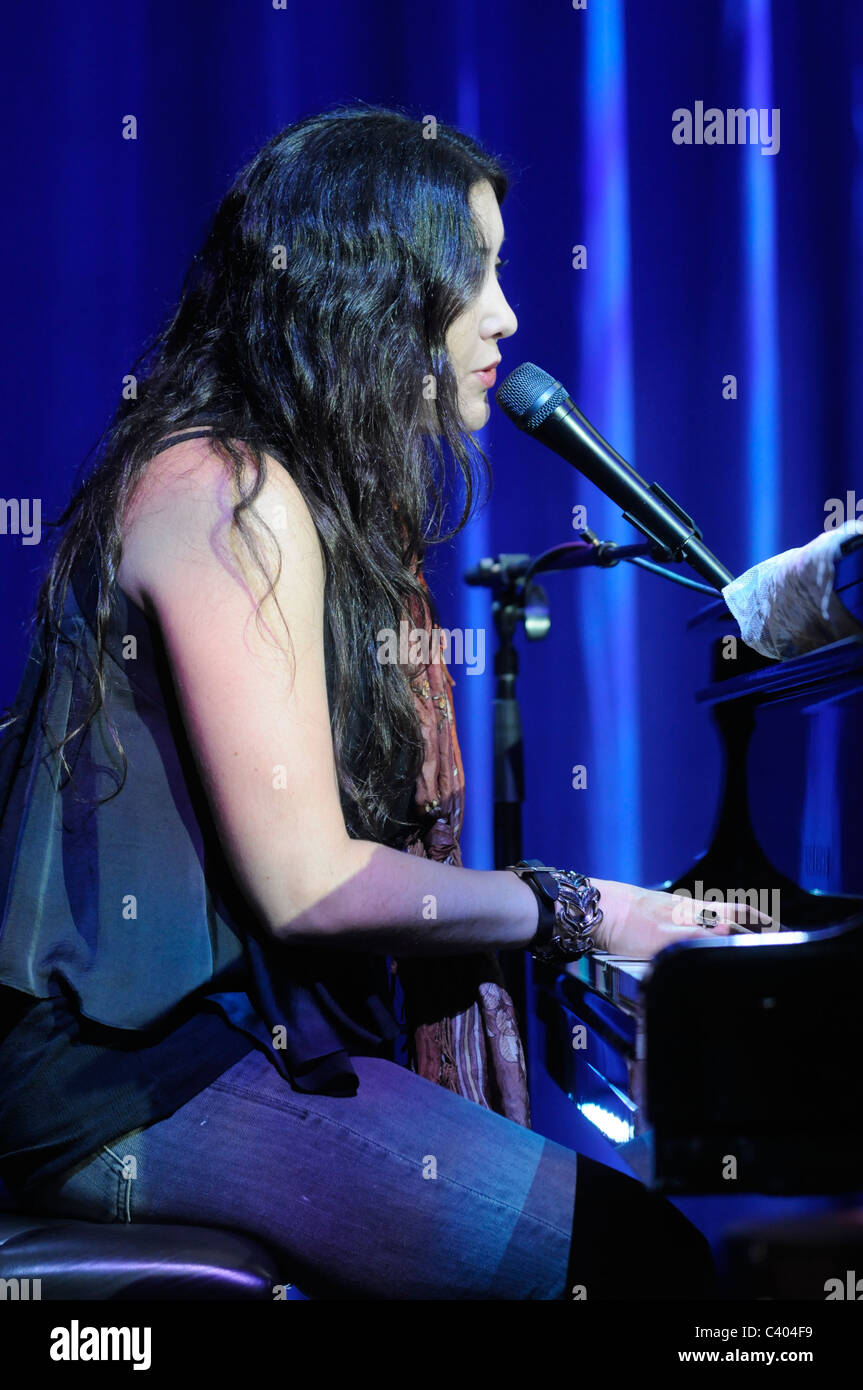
[{"x": 472, "y": 339}]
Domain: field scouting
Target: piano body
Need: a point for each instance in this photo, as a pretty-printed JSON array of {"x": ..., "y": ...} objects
[{"x": 735, "y": 1063}]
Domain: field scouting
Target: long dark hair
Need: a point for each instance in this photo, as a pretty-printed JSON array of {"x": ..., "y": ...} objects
[{"x": 309, "y": 326}]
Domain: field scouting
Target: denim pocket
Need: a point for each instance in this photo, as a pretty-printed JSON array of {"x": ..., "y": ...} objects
[{"x": 97, "y": 1189}]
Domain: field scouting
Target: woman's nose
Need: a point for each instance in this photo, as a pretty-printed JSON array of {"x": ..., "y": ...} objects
[{"x": 509, "y": 322}]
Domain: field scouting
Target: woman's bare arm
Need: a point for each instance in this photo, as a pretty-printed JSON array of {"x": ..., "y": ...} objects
[{"x": 259, "y": 726}]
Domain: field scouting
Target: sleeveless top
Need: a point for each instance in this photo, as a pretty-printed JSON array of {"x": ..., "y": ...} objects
[{"x": 132, "y": 971}]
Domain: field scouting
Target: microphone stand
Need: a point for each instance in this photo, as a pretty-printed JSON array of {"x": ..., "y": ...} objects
[{"x": 517, "y": 598}]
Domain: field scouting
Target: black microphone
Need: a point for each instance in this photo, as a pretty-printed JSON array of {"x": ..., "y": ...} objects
[{"x": 538, "y": 404}]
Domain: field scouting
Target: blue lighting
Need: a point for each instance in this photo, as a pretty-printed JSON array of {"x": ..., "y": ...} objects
[
  {"x": 473, "y": 696},
  {"x": 612, "y": 1126},
  {"x": 761, "y": 388},
  {"x": 607, "y": 609}
]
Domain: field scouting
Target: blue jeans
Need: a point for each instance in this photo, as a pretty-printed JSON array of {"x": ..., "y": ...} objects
[{"x": 403, "y": 1191}]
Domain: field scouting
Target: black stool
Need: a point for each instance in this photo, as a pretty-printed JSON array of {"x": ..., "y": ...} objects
[{"x": 72, "y": 1259}]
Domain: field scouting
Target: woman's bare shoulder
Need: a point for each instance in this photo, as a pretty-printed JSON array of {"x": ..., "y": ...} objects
[{"x": 184, "y": 499}]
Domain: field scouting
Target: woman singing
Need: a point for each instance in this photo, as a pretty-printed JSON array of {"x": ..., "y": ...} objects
[{"x": 230, "y": 875}]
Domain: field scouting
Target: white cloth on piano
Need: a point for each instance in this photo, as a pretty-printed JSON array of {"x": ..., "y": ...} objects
[{"x": 786, "y": 605}]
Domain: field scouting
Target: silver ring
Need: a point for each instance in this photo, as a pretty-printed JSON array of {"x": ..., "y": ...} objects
[{"x": 701, "y": 918}]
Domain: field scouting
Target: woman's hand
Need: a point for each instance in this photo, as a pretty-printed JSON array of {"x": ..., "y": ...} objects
[{"x": 638, "y": 922}]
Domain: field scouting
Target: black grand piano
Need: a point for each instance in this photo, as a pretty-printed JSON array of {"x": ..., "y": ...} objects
[{"x": 736, "y": 1063}]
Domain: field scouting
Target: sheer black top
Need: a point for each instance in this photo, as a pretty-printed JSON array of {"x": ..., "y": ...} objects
[{"x": 132, "y": 971}]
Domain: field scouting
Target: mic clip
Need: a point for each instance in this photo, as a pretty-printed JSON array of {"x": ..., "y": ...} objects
[
  {"x": 606, "y": 554},
  {"x": 664, "y": 551}
]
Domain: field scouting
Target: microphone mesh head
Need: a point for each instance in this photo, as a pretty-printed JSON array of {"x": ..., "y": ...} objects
[{"x": 519, "y": 396}]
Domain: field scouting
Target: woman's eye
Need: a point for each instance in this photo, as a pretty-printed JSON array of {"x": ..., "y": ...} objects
[{"x": 498, "y": 266}]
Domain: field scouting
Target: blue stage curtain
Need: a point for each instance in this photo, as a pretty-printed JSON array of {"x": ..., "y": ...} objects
[{"x": 703, "y": 262}]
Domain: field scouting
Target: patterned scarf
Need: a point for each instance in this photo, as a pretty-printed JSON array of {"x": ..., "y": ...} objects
[{"x": 461, "y": 1022}]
